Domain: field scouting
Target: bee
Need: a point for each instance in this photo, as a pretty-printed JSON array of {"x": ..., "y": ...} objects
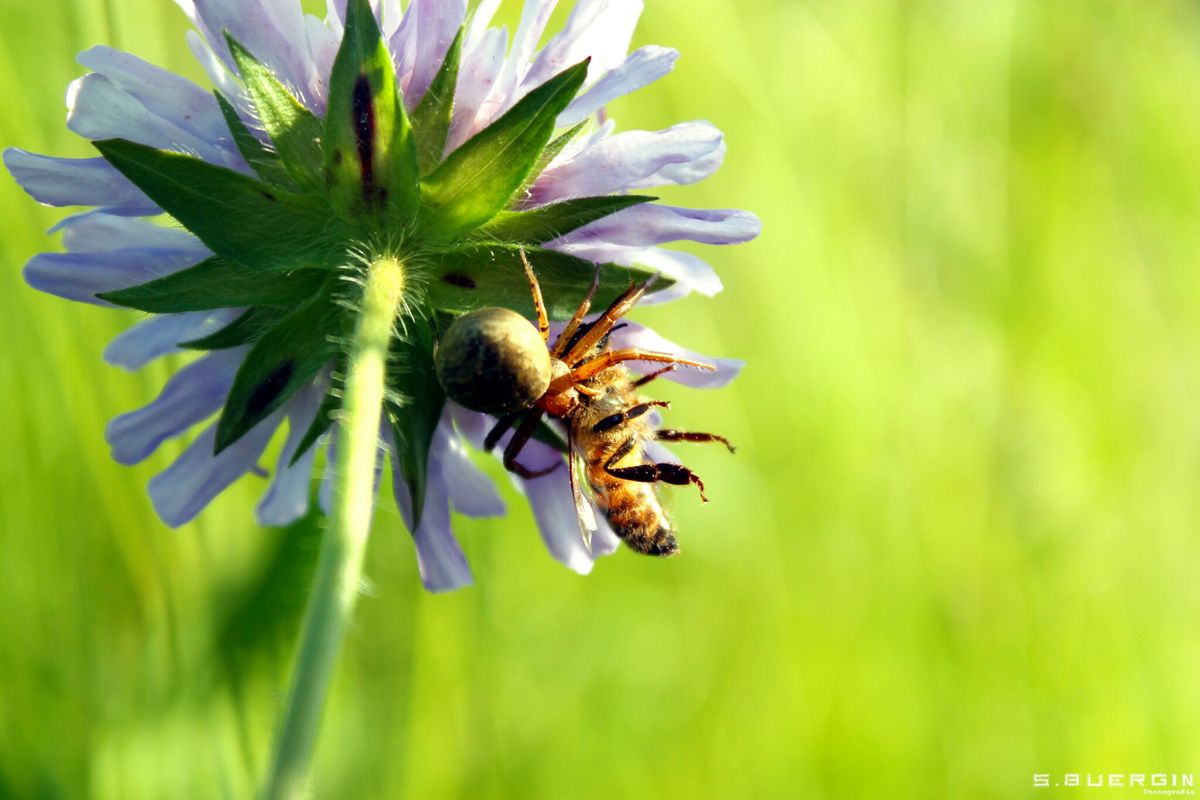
[{"x": 496, "y": 361}]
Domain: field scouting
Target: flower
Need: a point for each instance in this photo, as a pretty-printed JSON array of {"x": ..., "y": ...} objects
[{"x": 304, "y": 163}]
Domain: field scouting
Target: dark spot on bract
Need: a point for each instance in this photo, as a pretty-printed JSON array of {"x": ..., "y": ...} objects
[
  {"x": 364, "y": 134},
  {"x": 460, "y": 280},
  {"x": 269, "y": 388},
  {"x": 337, "y": 156},
  {"x": 269, "y": 196}
]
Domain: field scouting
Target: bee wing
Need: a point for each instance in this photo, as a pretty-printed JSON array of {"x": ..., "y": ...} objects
[{"x": 583, "y": 509}]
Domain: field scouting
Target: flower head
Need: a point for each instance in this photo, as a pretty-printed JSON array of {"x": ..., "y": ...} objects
[{"x": 329, "y": 143}]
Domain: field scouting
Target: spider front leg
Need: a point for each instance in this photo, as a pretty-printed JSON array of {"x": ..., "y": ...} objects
[
  {"x": 613, "y": 357},
  {"x": 603, "y": 324},
  {"x": 539, "y": 304},
  {"x": 564, "y": 338}
]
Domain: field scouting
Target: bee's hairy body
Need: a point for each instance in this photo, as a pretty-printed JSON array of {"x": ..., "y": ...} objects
[{"x": 631, "y": 507}]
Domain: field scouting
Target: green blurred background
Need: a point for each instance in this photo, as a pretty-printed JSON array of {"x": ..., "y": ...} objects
[{"x": 958, "y": 545}]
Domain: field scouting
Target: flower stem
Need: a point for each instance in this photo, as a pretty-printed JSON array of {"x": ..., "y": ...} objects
[{"x": 340, "y": 567}]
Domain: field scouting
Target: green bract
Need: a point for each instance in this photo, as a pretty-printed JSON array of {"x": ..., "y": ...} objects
[{"x": 331, "y": 195}]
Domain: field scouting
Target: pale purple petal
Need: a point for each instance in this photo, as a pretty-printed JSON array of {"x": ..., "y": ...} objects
[
  {"x": 471, "y": 425},
  {"x": 182, "y": 491},
  {"x": 654, "y": 223},
  {"x": 471, "y": 490},
  {"x": 421, "y": 42},
  {"x": 690, "y": 273},
  {"x": 80, "y": 276},
  {"x": 440, "y": 559},
  {"x": 161, "y": 334},
  {"x": 684, "y": 268},
  {"x": 162, "y": 93},
  {"x": 604, "y": 541},
  {"x": 476, "y": 78},
  {"x": 534, "y": 17},
  {"x": 480, "y": 20},
  {"x": 97, "y": 230},
  {"x": 601, "y": 29},
  {"x": 323, "y": 45},
  {"x": 191, "y": 395},
  {"x": 632, "y": 334},
  {"x": 286, "y": 499},
  {"x": 387, "y": 12},
  {"x": 554, "y": 510},
  {"x": 683, "y": 153},
  {"x": 642, "y": 68},
  {"x": 77, "y": 182},
  {"x": 97, "y": 109},
  {"x": 270, "y": 30},
  {"x": 659, "y": 454},
  {"x": 220, "y": 75}
]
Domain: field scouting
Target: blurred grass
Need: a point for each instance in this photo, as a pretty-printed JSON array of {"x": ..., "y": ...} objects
[{"x": 956, "y": 547}]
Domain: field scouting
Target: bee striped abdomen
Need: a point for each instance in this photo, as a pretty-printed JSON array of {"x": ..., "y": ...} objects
[{"x": 633, "y": 511}]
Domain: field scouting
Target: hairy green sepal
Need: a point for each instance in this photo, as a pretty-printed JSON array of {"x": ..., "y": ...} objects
[
  {"x": 413, "y": 408},
  {"x": 491, "y": 274},
  {"x": 241, "y": 219},
  {"x": 283, "y": 360},
  {"x": 541, "y": 225},
  {"x": 431, "y": 118},
  {"x": 370, "y": 153},
  {"x": 246, "y": 329},
  {"x": 294, "y": 130},
  {"x": 479, "y": 179},
  {"x": 265, "y": 163},
  {"x": 218, "y": 283}
]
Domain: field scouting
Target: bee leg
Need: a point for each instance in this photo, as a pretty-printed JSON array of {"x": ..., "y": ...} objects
[
  {"x": 688, "y": 436},
  {"x": 621, "y": 417},
  {"x": 642, "y": 381},
  {"x": 674, "y": 474},
  {"x": 539, "y": 305},
  {"x": 518, "y": 442}
]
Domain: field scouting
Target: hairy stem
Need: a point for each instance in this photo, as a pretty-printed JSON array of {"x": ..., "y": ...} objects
[{"x": 340, "y": 568}]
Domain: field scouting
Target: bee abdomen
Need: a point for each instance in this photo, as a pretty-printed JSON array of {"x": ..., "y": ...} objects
[{"x": 639, "y": 521}]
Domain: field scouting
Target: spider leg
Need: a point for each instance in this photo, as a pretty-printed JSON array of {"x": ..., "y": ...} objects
[
  {"x": 517, "y": 443},
  {"x": 560, "y": 344},
  {"x": 612, "y": 357},
  {"x": 605, "y": 322},
  {"x": 501, "y": 427},
  {"x": 674, "y": 474},
  {"x": 539, "y": 305},
  {"x": 688, "y": 436}
]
